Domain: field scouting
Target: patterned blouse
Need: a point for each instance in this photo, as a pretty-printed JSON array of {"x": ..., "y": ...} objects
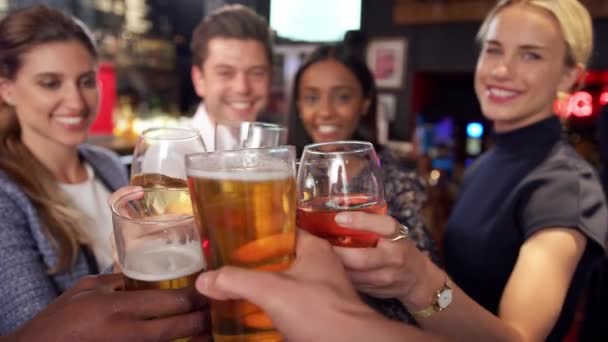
[{"x": 405, "y": 193}]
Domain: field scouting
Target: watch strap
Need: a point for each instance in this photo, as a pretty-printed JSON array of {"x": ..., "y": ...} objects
[
  {"x": 434, "y": 306},
  {"x": 426, "y": 312}
]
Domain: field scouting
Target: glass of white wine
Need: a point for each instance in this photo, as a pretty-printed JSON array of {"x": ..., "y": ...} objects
[{"x": 158, "y": 158}]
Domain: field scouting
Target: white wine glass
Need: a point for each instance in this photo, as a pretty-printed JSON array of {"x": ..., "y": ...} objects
[{"x": 159, "y": 156}]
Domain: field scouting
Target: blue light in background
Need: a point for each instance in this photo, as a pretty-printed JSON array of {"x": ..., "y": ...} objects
[
  {"x": 474, "y": 130},
  {"x": 444, "y": 131}
]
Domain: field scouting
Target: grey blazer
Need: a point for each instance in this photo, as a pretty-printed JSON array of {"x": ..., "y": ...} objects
[{"x": 26, "y": 254}]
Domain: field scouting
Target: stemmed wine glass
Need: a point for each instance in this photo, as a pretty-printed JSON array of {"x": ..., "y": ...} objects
[
  {"x": 159, "y": 162},
  {"x": 159, "y": 157},
  {"x": 335, "y": 177}
]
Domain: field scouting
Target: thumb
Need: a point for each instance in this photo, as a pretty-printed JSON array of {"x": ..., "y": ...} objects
[{"x": 230, "y": 282}]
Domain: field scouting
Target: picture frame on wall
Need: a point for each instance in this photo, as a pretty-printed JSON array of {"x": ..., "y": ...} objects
[{"x": 386, "y": 58}]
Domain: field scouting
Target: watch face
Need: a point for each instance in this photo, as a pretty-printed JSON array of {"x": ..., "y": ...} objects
[{"x": 445, "y": 298}]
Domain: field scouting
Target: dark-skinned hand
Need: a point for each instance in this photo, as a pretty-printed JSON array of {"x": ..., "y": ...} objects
[{"x": 97, "y": 309}]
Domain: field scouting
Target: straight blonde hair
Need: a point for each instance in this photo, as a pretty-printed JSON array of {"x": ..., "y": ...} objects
[{"x": 572, "y": 17}]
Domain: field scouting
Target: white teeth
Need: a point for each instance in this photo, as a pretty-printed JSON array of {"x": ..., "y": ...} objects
[
  {"x": 69, "y": 120},
  {"x": 327, "y": 129},
  {"x": 501, "y": 93},
  {"x": 240, "y": 105}
]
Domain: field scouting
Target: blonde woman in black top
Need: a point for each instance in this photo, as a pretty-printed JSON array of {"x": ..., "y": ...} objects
[{"x": 531, "y": 219}]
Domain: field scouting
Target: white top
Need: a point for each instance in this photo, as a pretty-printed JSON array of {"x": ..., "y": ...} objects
[
  {"x": 204, "y": 124},
  {"x": 90, "y": 198}
]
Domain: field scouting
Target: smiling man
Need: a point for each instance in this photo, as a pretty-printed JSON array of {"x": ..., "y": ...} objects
[{"x": 231, "y": 69}]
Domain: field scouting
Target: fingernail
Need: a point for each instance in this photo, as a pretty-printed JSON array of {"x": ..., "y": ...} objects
[
  {"x": 343, "y": 218},
  {"x": 202, "y": 282}
]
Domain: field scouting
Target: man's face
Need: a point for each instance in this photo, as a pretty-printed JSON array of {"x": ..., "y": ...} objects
[{"x": 234, "y": 79}]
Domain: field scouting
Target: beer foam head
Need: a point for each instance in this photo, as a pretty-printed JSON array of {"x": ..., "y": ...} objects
[
  {"x": 245, "y": 175},
  {"x": 255, "y": 164},
  {"x": 157, "y": 260}
]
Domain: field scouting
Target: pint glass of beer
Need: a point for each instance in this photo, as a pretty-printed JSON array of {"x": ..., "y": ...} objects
[
  {"x": 244, "y": 201},
  {"x": 158, "y": 157},
  {"x": 230, "y": 135},
  {"x": 158, "y": 245},
  {"x": 335, "y": 177}
]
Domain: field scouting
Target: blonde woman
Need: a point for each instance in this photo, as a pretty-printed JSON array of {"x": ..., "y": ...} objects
[
  {"x": 530, "y": 222},
  {"x": 54, "y": 221}
]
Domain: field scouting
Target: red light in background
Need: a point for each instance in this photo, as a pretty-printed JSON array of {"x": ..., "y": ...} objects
[
  {"x": 604, "y": 98},
  {"x": 596, "y": 77},
  {"x": 584, "y": 104},
  {"x": 581, "y": 104},
  {"x": 561, "y": 106},
  {"x": 107, "y": 82}
]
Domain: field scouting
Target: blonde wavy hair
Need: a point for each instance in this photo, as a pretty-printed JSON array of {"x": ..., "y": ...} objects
[
  {"x": 574, "y": 21},
  {"x": 20, "y": 32}
]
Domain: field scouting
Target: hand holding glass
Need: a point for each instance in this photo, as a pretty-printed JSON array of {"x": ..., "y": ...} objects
[
  {"x": 244, "y": 201},
  {"x": 335, "y": 177},
  {"x": 157, "y": 243}
]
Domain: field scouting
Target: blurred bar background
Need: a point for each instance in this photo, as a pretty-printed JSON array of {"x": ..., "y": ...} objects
[{"x": 422, "y": 52}]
